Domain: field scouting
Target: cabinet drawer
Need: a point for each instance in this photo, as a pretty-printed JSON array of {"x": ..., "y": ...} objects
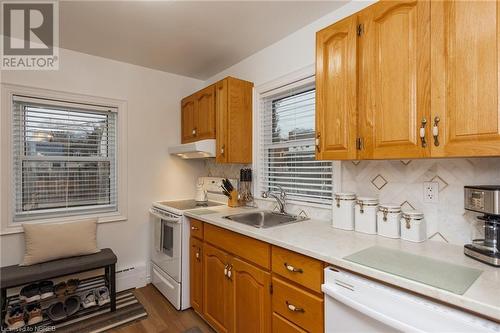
[
  {"x": 281, "y": 325},
  {"x": 297, "y": 305},
  {"x": 301, "y": 269},
  {"x": 196, "y": 228},
  {"x": 245, "y": 247}
]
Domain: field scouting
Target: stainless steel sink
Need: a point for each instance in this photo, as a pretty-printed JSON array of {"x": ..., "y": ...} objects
[{"x": 265, "y": 219}]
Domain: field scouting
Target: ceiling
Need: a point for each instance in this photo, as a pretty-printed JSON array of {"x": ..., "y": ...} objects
[{"x": 195, "y": 39}]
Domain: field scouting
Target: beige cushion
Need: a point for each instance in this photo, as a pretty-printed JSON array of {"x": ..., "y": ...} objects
[{"x": 50, "y": 241}]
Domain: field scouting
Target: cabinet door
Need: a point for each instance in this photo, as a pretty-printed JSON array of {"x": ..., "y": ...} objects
[
  {"x": 187, "y": 120},
  {"x": 196, "y": 274},
  {"x": 221, "y": 108},
  {"x": 336, "y": 97},
  {"x": 465, "y": 77},
  {"x": 205, "y": 113},
  {"x": 251, "y": 302},
  {"x": 395, "y": 79},
  {"x": 216, "y": 289}
]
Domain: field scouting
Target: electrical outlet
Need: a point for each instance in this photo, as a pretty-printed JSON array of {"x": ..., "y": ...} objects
[{"x": 431, "y": 192}]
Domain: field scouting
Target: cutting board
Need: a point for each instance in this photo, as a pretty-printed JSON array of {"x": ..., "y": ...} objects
[{"x": 440, "y": 274}]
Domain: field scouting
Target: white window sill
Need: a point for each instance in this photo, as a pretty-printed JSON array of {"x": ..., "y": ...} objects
[{"x": 18, "y": 228}]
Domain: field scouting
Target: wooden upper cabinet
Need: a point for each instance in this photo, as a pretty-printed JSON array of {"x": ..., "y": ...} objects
[
  {"x": 217, "y": 291},
  {"x": 251, "y": 302},
  {"x": 465, "y": 55},
  {"x": 205, "y": 113},
  {"x": 394, "y": 80},
  {"x": 196, "y": 274},
  {"x": 336, "y": 97},
  {"x": 234, "y": 121},
  {"x": 188, "y": 120}
]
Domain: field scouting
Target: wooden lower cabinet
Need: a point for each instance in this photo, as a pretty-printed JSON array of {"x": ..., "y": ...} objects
[
  {"x": 235, "y": 294},
  {"x": 251, "y": 298},
  {"x": 196, "y": 274},
  {"x": 217, "y": 293}
]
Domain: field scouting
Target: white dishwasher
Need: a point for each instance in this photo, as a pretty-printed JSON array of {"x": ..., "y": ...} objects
[{"x": 356, "y": 304}]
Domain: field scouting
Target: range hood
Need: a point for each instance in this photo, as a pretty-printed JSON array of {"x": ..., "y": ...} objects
[{"x": 198, "y": 149}]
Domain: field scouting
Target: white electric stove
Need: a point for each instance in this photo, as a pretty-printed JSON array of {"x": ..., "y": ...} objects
[{"x": 170, "y": 248}]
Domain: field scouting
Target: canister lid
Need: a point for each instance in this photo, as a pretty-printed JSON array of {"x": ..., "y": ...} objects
[
  {"x": 368, "y": 200},
  {"x": 345, "y": 195},
  {"x": 390, "y": 207},
  {"x": 413, "y": 214}
]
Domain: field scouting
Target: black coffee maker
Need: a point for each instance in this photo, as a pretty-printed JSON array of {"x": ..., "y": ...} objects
[{"x": 485, "y": 246}]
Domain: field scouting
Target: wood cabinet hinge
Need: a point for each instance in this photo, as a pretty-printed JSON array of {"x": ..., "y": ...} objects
[
  {"x": 359, "y": 29},
  {"x": 359, "y": 143},
  {"x": 271, "y": 288}
]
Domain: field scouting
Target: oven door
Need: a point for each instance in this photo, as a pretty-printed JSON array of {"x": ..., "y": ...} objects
[{"x": 166, "y": 253}]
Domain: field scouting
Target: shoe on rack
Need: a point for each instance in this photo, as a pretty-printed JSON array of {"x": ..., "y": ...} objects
[
  {"x": 56, "y": 311},
  {"x": 34, "y": 312},
  {"x": 88, "y": 299},
  {"x": 14, "y": 318},
  {"x": 30, "y": 293},
  {"x": 46, "y": 289},
  {"x": 60, "y": 288},
  {"x": 72, "y": 285},
  {"x": 72, "y": 305},
  {"x": 102, "y": 295}
]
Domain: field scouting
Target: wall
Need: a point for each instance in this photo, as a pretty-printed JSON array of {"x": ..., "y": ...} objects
[
  {"x": 153, "y": 112},
  {"x": 402, "y": 180}
]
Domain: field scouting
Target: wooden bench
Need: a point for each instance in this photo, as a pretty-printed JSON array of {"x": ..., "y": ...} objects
[{"x": 16, "y": 276}]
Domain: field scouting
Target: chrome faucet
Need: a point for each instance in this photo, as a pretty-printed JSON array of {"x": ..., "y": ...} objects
[{"x": 280, "y": 199}]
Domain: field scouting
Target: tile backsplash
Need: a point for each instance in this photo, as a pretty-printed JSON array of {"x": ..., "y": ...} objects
[{"x": 401, "y": 182}]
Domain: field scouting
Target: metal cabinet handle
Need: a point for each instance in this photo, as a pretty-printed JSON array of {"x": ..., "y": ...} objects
[
  {"x": 229, "y": 271},
  {"x": 195, "y": 228},
  {"x": 194, "y": 131},
  {"x": 222, "y": 149},
  {"x": 317, "y": 142},
  {"x": 198, "y": 255},
  {"x": 293, "y": 308},
  {"x": 422, "y": 133},
  {"x": 293, "y": 269},
  {"x": 225, "y": 269},
  {"x": 435, "y": 131}
]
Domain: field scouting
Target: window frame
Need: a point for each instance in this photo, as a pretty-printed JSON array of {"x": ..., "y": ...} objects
[
  {"x": 298, "y": 78},
  {"x": 7, "y": 185}
]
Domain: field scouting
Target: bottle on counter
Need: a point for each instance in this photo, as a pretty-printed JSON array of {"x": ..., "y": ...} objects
[
  {"x": 388, "y": 220},
  {"x": 343, "y": 210},
  {"x": 365, "y": 215}
]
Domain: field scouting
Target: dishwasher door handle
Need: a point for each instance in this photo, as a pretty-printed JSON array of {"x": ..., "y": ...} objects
[{"x": 372, "y": 313}]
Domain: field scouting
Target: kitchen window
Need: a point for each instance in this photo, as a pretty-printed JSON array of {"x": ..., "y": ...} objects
[
  {"x": 67, "y": 157},
  {"x": 287, "y": 145}
]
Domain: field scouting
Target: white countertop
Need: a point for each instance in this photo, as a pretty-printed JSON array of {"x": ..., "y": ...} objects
[{"x": 318, "y": 239}]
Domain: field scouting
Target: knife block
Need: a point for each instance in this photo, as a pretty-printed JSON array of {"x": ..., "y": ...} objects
[{"x": 233, "y": 199}]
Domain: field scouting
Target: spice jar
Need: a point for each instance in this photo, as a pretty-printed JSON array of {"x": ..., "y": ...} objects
[
  {"x": 365, "y": 215},
  {"x": 388, "y": 217},
  {"x": 343, "y": 210},
  {"x": 413, "y": 226}
]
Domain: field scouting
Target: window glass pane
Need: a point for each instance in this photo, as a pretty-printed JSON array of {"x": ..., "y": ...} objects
[
  {"x": 288, "y": 148},
  {"x": 64, "y": 160}
]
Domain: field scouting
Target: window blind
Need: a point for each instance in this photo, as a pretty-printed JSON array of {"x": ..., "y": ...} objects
[
  {"x": 288, "y": 146},
  {"x": 64, "y": 157}
]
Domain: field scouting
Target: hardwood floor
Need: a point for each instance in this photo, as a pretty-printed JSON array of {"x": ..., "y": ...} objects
[{"x": 162, "y": 316}]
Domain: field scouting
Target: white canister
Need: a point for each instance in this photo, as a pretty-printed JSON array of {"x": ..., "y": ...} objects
[
  {"x": 365, "y": 215},
  {"x": 388, "y": 217},
  {"x": 343, "y": 210},
  {"x": 413, "y": 226}
]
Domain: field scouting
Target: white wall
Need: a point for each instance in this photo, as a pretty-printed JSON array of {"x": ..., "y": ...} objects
[{"x": 153, "y": 99}]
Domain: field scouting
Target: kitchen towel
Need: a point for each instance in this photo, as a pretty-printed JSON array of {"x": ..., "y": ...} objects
[{"x": 440, "y": 274}]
